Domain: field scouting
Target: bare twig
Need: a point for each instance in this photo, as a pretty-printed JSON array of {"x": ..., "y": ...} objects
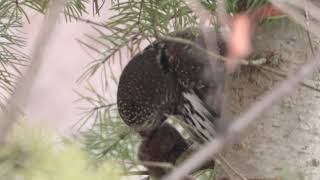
[
  {"x": 24, "y": 84},
  {"x": 222, "y": 14},
  {"x": 282, "y": 75},
  {"x": 135, "y": 173},
  {"x": 209, "y": 53},
  {"x": 243, "y": 121},
  {"x": 234, "y": 170},
  {"x": 252, "y": 62},
  {"x": 306, "y": 13},
  {"x": 203, "y": 15},
  {"x": 164, "y": 165},
  {"x": 152, "y": 164},
  {"x": 195, "y": 147}
]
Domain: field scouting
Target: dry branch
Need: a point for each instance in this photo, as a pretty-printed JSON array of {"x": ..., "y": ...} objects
[
  {"x": 241, "y": 123},
  {"x": 19, "y": 98}
]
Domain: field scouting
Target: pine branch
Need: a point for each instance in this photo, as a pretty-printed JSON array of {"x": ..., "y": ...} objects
[
  {"x": 132, "y": 24},
  {"x": 12, "y": 16},
  {"x": 19, "y": 97},
  {"x": 108, "y": 136}
]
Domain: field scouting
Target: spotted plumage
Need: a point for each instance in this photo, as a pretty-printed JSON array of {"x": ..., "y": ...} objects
[{"x": 172, "y": 79}]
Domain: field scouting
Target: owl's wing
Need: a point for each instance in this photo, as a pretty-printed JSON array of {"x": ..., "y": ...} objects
[{"x": 198, "y": 117}]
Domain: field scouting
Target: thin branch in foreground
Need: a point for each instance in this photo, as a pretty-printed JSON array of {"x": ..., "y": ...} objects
[
  {"x": 282, "y": 76},
  {"x": 306, "y": 14},
  {"x": 222, "y": 13},
  {"x": 24, "y": 84},
  {"x": 234, "y": 170},
  {"x": 207, "y": 52},
  {"x": 243, "y": 62},
  {"x": 136, "y": 173},
  {"x": 241, "y": 123}
]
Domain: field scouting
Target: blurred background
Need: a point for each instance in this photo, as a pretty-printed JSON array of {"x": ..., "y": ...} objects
[{"x": 53, "y": 96}]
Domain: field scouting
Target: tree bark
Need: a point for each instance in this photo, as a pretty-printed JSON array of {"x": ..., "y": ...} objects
[{"x": 285, "y": 140}]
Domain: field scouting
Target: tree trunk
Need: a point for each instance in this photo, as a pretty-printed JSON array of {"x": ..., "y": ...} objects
[{"x": 285, "y": 139}]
